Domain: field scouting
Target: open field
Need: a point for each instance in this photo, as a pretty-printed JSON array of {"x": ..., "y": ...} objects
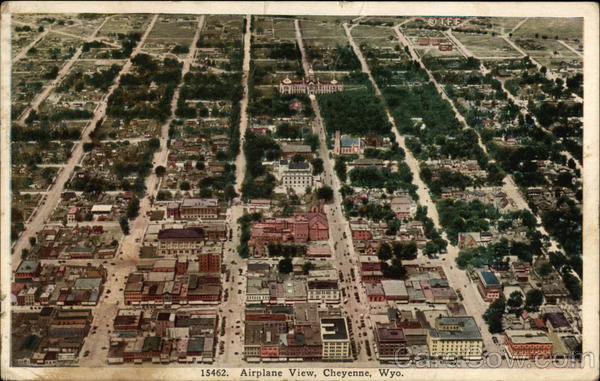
[
  {"x": 563, "y": 28},
  {"x": 547, "y": 51},
  {"x": 123, "y": 23},
  {"x": 485, "y": 45}
]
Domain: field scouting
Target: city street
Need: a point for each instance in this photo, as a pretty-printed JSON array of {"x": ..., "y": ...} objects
[{"x": 457, "y": 278}]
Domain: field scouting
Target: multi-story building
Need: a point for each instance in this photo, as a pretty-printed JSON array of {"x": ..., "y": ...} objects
[
  {"x": 390, "y": 343},
  {"x": 527, "y": 344},
  {"x": 297, "y": 175},
  {"x": 455, "y": 337},
  {"x": 27, "y": 270},
  {"x": 302, "y": 227},
  {"x": 209, "y": 262},
  {"x": 336, "y": 339},
  {"x": 173, "y": 242},
  {"x": 488, "y": 285},
  {"x": 309, "y": 86},
  {"x": 192, "y": 208},
  {"x": 323, "y": 291}
]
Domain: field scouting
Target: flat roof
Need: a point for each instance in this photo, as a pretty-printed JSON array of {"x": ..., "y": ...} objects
[
  {"x": 334, "y": 329},
  {"x": 525, "y": 336},
  {"x": 467, "y": 330},
  {"x": 394, "y": 287},
  {"x": 102, "y": 208}
]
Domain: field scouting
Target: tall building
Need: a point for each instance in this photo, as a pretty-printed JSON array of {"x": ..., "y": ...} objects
[
  {"x": 297, "y": 175},
  {"x": 390, "y": 342},
  {"x": 336, "y": 339},
  {"x": 209, "y": 262},
  {"x": 455, "y": 337}
]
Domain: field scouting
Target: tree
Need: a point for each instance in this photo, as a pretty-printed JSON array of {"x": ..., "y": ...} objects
[
  {"x": 229, "y": 192},
  {"x": 184, "y": 186},
  {"x": 384, "y": 252},
  {"x": 124, "y": 225},
  {"x": 160, "y": 171},
  {"x": 544, "y": 269},
  {"x": 317, "y": 165},
  {"x": 306, "y": 267},
  {"x": 493, "y": 315},
  {"x": 32, "y": 241},
  {"x": 325, "y": 193},
  {"x": 133, "y": 208},
  {"x": 533, "y": 299},
  {"x": 298, "y": 159},
  {"x": 405, "y": 250},
  {"x": 200, "y": 165},
  {"x": 340, "y": 168},
  {"x": 515, "y": 301},
  {"x": 285, "y": 265}
]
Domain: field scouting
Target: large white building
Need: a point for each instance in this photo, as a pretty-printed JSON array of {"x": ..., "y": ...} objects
[
  {"x": 310, "y": 86},
  {"x": 455, "y": 337},
  {"x": 336, "y": 339},
  {"x": 296, "y": 175}
]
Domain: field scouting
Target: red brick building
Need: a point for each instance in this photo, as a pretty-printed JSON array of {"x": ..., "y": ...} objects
[{"x": 527, "y": 344}]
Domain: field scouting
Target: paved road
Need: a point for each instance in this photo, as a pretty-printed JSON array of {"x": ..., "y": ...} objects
[
  {"x": 40, "y": 97},
  {"x": 232, "y": 310},
  {"x": 457, "y": 278},
  {"x": 240, "y": 163},
  {"x": 345, "y": 258},
  {"x": 53, "y": 195},
  {"x": 128, "y": 255}
]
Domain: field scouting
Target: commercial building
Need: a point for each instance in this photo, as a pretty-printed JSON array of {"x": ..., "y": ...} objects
[
  {"x": 527, "y": 344},
  {"x": 173, "y": 242},
  {"x": 455, "y": 337},
  {"x": 336, "y": 339},
  {"x": 488, "y": 285},
  {"x": 390, "y": 342}
]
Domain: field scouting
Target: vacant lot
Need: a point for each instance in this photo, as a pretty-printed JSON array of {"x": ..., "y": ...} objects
[
  {"x": 486, "y": 45},
  {"x": 563, "y": 28}
]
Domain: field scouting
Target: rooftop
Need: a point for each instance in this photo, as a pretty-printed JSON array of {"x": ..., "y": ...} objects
[
  {"x": 334, "y": 329},
  {"x": 195, "y": 233},
  {"x": 455, "y": 328}
]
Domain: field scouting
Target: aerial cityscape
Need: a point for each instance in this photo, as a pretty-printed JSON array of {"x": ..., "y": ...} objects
[{"x": 317, "y": 191}]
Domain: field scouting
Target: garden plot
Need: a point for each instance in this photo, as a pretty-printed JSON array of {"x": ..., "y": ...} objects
[
  {"x": 43, "y": 152},
  {"x": 32, "y": 178},
  {"x": 23, "y": 205},
  {"x": 21, "y": 37},
  {"x": 119, "y": 129}
]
